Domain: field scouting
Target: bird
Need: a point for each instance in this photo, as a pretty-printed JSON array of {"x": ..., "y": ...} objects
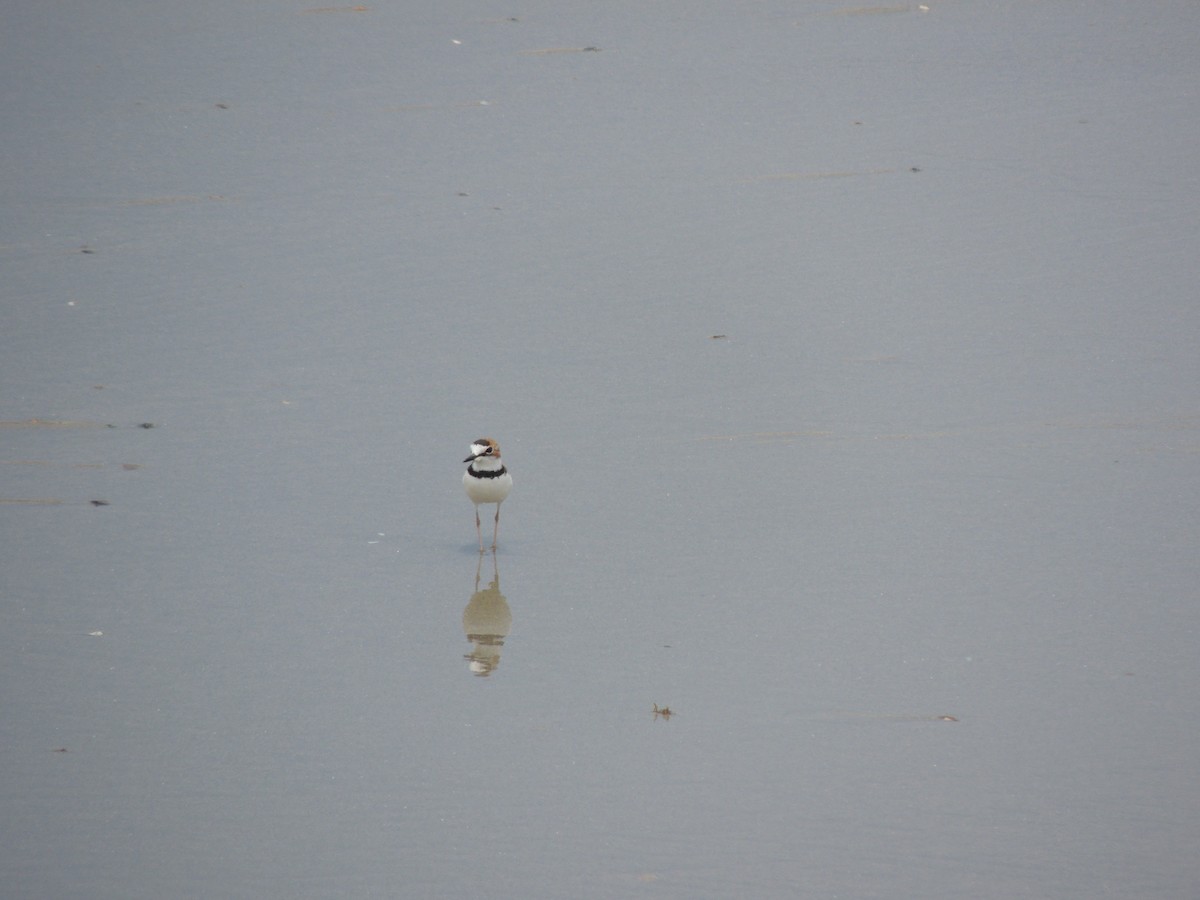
[{"x": 486, "y": 481}]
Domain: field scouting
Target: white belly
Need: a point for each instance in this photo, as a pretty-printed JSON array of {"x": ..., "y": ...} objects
[{"x": 487, "y": 490}]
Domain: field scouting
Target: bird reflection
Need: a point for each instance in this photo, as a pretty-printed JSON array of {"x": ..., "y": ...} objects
[{"x": 487, "y": 621}]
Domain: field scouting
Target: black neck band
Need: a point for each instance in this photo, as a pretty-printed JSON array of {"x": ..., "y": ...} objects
[{"x": 488, "y": 473}]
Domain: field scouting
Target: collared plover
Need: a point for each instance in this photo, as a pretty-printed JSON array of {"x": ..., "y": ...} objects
[{"x": 486, "y": 481}]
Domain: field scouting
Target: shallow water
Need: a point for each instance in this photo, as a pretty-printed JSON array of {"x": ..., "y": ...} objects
[{"x": 844, "y": 360}]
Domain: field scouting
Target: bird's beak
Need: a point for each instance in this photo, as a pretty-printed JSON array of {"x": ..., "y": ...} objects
[{"x": 472, "y": 457}]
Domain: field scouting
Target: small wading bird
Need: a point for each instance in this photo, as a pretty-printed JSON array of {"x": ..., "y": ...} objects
[{"x": 486, "y": 481}]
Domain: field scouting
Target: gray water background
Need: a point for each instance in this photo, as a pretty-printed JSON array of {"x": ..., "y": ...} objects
[{"x": 846, "y": 363}]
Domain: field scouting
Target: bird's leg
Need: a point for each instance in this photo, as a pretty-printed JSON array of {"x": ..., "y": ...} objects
[
  {"x": 478, "y": 531},
  {"x": 496, "y": 529}
]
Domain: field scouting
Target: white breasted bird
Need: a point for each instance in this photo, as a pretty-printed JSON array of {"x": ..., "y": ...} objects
[{"x": 486, "y": 481}]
